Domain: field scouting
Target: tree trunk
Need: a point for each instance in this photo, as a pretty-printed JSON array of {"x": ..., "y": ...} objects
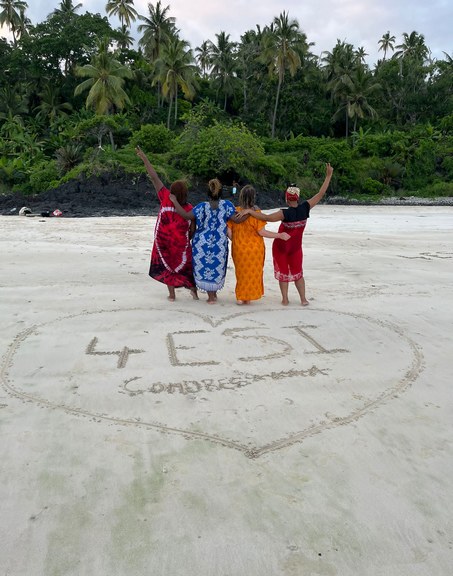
[
  {"x": 169, "y": 113},
  {"x": 274, "y": 118},
  {"x": 347, "y": 120},
  {"x": 112, "y": 143}
]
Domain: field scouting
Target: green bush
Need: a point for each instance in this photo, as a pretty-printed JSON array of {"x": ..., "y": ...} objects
[
  {"x": 438, "y": 189},
  {"x": 269, "y": 172},
  {"x": 219, "y": 149},
  {"x": 153, "y": 138},
  {"x": 446, "y": 167},
  {"x": 446, "y": 124},
  {"x": 383, "y": 144},
  {"x": 370, "y": 186},
  {"x": 421, "y": 166},
  {"x": 42, "y": 176}
]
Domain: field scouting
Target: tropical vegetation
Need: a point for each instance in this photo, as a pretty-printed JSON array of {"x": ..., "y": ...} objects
[{"x": 78, "y": 94}]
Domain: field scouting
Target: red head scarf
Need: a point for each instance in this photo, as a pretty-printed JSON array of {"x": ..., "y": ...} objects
[{"x": 292, "y": 194}]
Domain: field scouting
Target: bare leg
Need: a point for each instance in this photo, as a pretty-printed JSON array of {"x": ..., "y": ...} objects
[
  {"x": 284, "y": 291},
  {"x": 300, "y": 285},
  {"x": 171, "y": 293},
  {"x": 194, "y": 293},
  {"x": 212, "y": 297}
]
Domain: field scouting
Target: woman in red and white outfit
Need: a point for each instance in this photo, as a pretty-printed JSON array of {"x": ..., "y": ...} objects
[{"x": 288, "y": 255}]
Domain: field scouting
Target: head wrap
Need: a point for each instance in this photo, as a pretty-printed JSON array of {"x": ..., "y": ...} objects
[{"x": 292, "y": 194}]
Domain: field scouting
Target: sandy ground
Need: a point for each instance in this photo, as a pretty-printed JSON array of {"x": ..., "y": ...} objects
[{"x": 140, "y": 437}]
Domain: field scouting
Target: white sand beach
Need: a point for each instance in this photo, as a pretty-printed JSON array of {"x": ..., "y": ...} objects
[{"x": 143, "y": 437}]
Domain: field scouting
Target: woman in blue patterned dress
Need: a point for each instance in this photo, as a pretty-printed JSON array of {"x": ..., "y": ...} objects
[{"x": 210, "y": 241}]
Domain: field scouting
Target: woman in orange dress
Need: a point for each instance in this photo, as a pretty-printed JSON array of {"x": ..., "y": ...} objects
[{"x": 248, "y": 249}]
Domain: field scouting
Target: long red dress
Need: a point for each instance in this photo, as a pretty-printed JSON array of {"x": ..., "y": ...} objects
[
  {"x": 171, "y": 257},
  {"x": 288, "y": 255}
]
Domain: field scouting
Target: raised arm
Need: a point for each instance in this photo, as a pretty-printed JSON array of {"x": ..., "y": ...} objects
[
  {"x": 157, "y": 182},
  {"x": 180, "y": 210},
  {"x": 317, "y": 197}
]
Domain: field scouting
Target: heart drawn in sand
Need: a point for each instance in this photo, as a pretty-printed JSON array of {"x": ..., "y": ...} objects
[{"x": 256, "y": 381}]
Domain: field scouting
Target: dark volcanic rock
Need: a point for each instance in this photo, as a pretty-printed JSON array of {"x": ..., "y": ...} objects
[
  {"x": 111, "y": 195},
  {"x": 108, "y": 196}
]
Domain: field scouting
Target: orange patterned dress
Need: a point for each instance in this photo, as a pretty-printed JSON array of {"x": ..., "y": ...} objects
[{"x": 248, "y": 256}]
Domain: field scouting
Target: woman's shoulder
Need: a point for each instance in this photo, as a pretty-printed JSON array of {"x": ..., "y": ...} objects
[{"x": 227, "y": 205}]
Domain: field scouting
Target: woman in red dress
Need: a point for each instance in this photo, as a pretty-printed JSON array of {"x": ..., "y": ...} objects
[
  {"x": 288, "y": 255},
  {"x": 171, "y": 257}
]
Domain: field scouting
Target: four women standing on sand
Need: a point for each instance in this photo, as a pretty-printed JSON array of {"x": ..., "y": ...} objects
[{"x": 173, "y": 258}]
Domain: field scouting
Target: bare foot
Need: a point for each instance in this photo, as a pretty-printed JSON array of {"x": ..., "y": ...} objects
[
  {"x": 194, "y": 293},
  {"x": 242, "y": 302},
  {"x": 285, "y": 302},
  {"x": 212, "y": 301},
  {"x": 171, "y": 293},
  {"x": 305, "y": 303}
]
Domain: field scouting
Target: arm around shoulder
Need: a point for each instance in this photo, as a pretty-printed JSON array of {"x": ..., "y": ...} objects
[
  {"x": 273, "y": 217},
  {"x": 188, "y": 215}
]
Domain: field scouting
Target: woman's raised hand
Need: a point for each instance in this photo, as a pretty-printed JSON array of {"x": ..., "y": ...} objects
[
  {"x": 140, "y": 152},
  {"x": 329, "y": 169}
]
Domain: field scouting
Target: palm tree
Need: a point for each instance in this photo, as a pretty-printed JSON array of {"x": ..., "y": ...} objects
[
  {"x": 23, "y": 25},
  {"x": 360, "y": 54},
  {"x": 10, "y": 15},
  {"x": 105, "y": 79},
  {"x": 123, "y": 38},
  {"x": 412, "y": 46},
  {"x": 248, "y": 52},
  {"x": 176, "y": 69},
  {"x": 51, "y": 106},
  {"x": 283, "y": 45},
  {"x": 13, "y": 101},
  {"x": 386, "y": 43},
  {"x": 412, "y": 49},
  {"x": 66, "y": 7},
  {"x": 340, "y": 66},
  {"x": 203, "y": 57},
  {"x": 358, "y": 88},
  {"x": 222, "y": 59},
  {"x": 124, "y": 9},
  {"x": 156, "y": 29}
]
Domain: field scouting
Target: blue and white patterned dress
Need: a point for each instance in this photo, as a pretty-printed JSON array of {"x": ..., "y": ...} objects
[{"x": 210, "y": 245}]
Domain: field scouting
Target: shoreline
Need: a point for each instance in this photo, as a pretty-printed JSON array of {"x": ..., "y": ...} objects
[{"x": 39, "y": 207}]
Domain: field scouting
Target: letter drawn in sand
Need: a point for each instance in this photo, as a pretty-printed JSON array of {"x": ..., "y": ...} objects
[
  {"x": 123, "y": 354},
  {"x": 172, "y": 349},
  {"x": 319, "y": 347}
]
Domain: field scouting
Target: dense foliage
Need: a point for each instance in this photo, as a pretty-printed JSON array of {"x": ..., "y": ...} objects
[{"x": 77, "y": 96}]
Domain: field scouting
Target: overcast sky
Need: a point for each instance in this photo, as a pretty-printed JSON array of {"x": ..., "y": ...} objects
[{"x": 359, "y": 22}]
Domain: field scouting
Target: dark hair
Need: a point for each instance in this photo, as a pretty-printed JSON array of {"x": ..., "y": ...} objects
[
  {"x": 179, "y": 189},
  {"x": 247, "y": 196},
  {"x": 215, "y": 189}
]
